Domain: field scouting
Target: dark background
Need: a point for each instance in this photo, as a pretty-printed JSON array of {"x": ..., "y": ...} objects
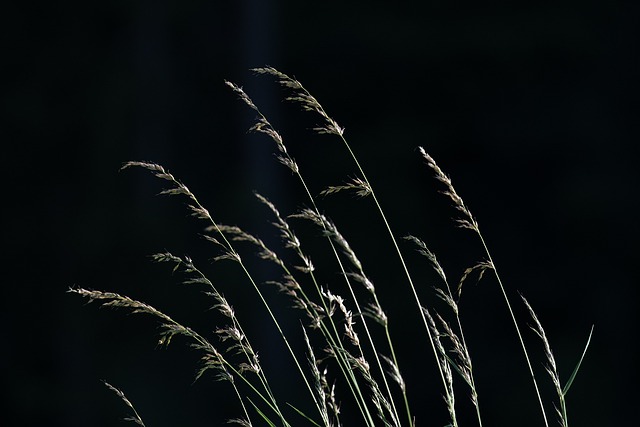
[{"x": 530, "y": 109}]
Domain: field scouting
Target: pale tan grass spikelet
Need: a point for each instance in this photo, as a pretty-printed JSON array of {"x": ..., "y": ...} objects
[
  {"x": 357, "y": 185},
  {"x": 481, "y": 267},
  {"x": 364, "y": 280},
  {"x": 239, "y": 235},
  {"x": 444, "y": 362},
  {"x": 394, "y": 372},
  {"x": 262, "y": 125},
  {"x": 197, "y": 278},
  {"x": 290, "y": 287},
  {"x": 287, "y": 234},
  {"x": 426, "y": 252},
  {"x": 169, "y": 327},
  {"x": 337, "y": 302},
  {"x": 551, "y": 366},
  {"x": 178, "y": 188},
  {"x": 463, "y": 365},
  {"x": 114, "y": 300},
  {"x": 289, "y": 237},
  {"x": 136, "y": 417},
  {"x": 378, "y": 398},
  {"x": 375, "y": 311},
  {"x": 211, "y": 359},
  {"x": 321, "y": 398},
  {"x": 241, "y": 94},
  {"x": 223, "y": 305},
  {"x": 423, "y": 250},
  {"x": 240, "y": 421},
  {"x": 330, "y": 229},
  {"x": 467, "y": 220},
  {"x": 302, "y": 97},
  {"x": 229, "y": 255},
  {"x": 458, "y": 347},
  {"x": 448, "y": 299}
]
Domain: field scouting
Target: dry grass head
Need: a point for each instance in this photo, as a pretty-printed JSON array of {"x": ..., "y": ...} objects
[{"x": 335, "y": 323}]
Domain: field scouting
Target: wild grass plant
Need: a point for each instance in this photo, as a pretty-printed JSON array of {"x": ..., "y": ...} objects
[{"x": 350, "y": 354}]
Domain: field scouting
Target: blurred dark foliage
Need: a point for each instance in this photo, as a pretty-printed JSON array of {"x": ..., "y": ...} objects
[{"x": 529, "y": 107}]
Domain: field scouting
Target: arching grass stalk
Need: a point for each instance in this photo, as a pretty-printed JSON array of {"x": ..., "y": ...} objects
[
  {"x": 136, "y": 417},
  {"x": 361, "y": 185},
  {"x": 262, "y": 125},
  {"x": 290, "y": 286},
  {"x": 468, "y": 221},
  {"x": 337, "y": 319},
  {"x": 229, "y": 252},
  {"x": 212, "y": 359},
  {"x": 552, "y": 368},
  {"x": 459, "y": 348},
  {"x": 234, "y": 333}
]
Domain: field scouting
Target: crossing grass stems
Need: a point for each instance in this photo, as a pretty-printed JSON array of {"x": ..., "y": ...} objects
[{"x": 345, "y": 321}]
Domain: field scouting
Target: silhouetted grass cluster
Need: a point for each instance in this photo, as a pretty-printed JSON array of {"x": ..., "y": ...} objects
[{"x": 345, "y": 329}]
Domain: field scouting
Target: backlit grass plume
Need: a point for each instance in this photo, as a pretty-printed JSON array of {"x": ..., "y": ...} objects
[{"x": 349, "y": 354}]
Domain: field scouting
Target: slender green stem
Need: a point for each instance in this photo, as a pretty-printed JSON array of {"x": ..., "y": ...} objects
[
  {"x": 473, "y": 381},
  {"x": 263, "y": 125},
  {"x": 515, "y": 323},
  {"x": 405, "y": 269},
  {"x": 272, "y": 316},
  {"x": 335, "y": 252}
]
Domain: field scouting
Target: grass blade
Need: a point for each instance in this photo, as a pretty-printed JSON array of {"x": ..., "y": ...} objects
[
  {"x": 262, "y": 414},
  {"x": 303, "y": 415},
  {"x": 575, "y": 370}
]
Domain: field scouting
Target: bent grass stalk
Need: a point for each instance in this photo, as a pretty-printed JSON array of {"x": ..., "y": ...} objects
[
  {"x": 326, "y": 310},
  {"x": 464, "y": 367},
  {"x": 469, "y": 222},
  {"x": 551, "y": 366},
  {"x": 264, "y": 126},
  {"x": 136, "y": 417},
  {"x": 230, "y": 253},
  {"x": 362, "y": 186}
]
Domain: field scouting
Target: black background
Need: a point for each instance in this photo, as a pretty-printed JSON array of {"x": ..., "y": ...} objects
[{"x": 529, "y": 107}]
